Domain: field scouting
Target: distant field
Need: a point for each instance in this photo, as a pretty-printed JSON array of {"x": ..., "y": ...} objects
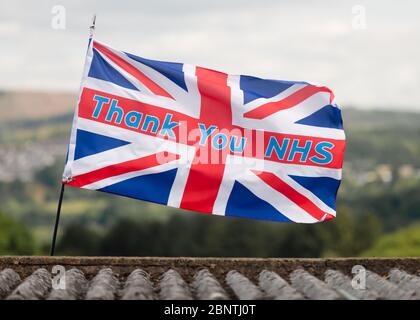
[
  {"x": 27, "y": 105},
  {"x": 30, "y": 105}
]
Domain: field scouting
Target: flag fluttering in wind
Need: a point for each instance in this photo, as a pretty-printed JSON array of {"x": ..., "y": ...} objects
[{"x": 202, "y": 140}]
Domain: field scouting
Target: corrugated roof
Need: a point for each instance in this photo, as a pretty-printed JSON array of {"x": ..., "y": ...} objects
[{"x": 207, "y": 278}]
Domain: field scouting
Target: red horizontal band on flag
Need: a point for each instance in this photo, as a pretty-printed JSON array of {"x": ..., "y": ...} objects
[
  {"x": 299, "y": 199},
  {"x": 254, "y": 148},
  {"x": 136, "y": 73},
  {"x": 295, "y": 98},
  {"x": 123, "y": 167},
  {"x": 87, "y": 106},
  {"x": 337, "y": 150}
]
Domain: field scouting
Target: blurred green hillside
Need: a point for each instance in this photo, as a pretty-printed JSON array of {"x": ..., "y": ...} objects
[
  {"x": 404, "y": 242},
  {"x": 378, "y": 203}
]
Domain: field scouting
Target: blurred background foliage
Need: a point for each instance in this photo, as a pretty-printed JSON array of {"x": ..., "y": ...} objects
[
  {"x": 378, "y": 211},
  {"x": 15, "y": 237}
]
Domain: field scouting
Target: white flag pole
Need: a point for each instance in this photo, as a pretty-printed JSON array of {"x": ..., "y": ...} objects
[
  {"x": 60, "y": 200},
  {"x": 92, "y": 26}
]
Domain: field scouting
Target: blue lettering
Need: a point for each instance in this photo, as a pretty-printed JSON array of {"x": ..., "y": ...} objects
[
  {"x": 304, "y": 151},
  {"x": 133, "y": 118},
  {"x": 324, "y": 155},
  {"x": 168, "y": 126},
  {"x": 114, "y": 109},
  {"x": 205, "y": 133},
  {"x": 100, "y": 101},
  {"x": 220, "y": 141},
  {"x": 150, "y": 120},
  {"x": 274, "y": 145},
  {"x": 241, "y": 146}
]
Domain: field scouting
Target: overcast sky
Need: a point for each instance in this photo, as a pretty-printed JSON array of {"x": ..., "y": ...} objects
[{"x": 373, "y": 67}]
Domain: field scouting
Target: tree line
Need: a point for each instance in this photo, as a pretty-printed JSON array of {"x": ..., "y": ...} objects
[{"x": 200, "y": 235}]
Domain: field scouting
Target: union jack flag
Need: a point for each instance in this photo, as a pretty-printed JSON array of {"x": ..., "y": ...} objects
[{"x": 202, "y": 140}]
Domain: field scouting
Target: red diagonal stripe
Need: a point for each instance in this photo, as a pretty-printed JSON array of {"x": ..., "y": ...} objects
[
  {"x": 152, "y": 86},
  {"x": 295, "y": 98},
  {"x": 306, "y": 204},
  {"x": 123, "y": 167}
]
